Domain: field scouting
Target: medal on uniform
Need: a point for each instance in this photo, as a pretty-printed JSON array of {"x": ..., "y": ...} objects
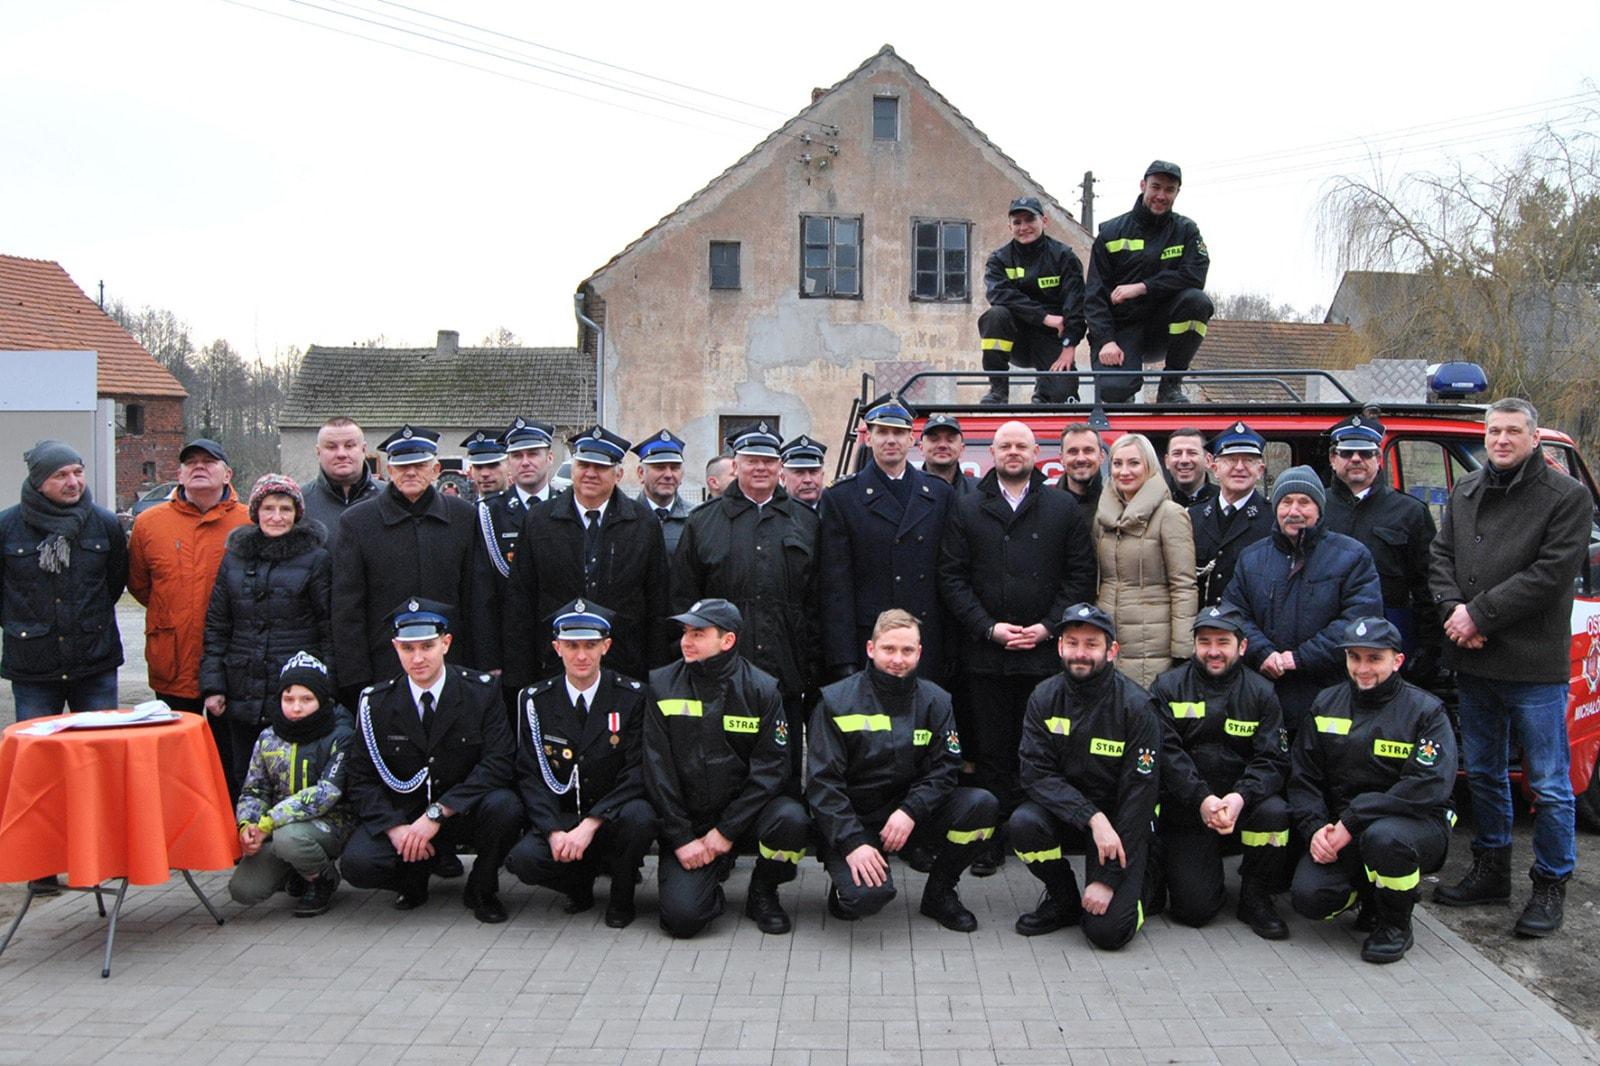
[
  {"x": 614, "y": 723},
  {"x": 566, "y": 753},
  {"x": 615, "y": 740}
]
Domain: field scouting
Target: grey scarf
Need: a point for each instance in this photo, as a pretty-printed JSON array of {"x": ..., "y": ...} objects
[{"x": 61, "y": 525}]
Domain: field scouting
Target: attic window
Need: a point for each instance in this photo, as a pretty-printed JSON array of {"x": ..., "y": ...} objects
[
  {"x": 724, "y": 264},
  {"x": 886, "y": 118}
]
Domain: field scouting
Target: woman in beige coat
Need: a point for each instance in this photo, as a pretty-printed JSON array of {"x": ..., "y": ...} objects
[{"x": 1146, "y": 551}]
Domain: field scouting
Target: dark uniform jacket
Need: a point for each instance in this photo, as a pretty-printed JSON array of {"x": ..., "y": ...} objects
[
  {"x": 715, "y": 747},
  {"x": 1089, "y": 499},
  {"x": 1511, "y": 548},
  {"x": 388, "y": 550},
  {"x": 1397, "y": 528},
  {"x": 605, "y": 748},
  {"x": 630, "y": 581},
  {"x": 1186, "y": 500},
  {"x": 327, "y": 504},
  {"x": 61, "y": 627},
  {"x": 1221, "y": 735},
  {"x": 467, "y": 753},
  {"x": 880, "y": 554},
  {"x": 870, "y": 756},
  {"x": 1166, "y": 252},
  {"x": 672, "y": 525},
  {"x": 1035, "y": 280},
  {"x": 764, "y": 561},
  {"x": 1217, "y": 544},
  {"x": 1092, "y": 747},
  {"x": 1303, "y": 611},
  {"x": 1024, "y": 567},
  {"x": 1369, "y": 755}
]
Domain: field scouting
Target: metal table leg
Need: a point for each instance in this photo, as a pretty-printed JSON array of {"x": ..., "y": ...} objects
[
  {"x": 201, "y": 895},
  {"x": 111, "y": 932},
  {"x": 17, "y": 920}
]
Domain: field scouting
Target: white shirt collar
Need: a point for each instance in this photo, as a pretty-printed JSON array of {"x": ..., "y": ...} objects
[
  {"x": 762, "y": 503},
  {"x": 1014, "y": 501},
  {"x": 1236, "y": 504},
  {"x": 437, "y": 688},
  {"x": 586, "y": 693},
  {"x": 1362, "y": 494},
  {"x": 527, "y": 497},
  {"x": 602, "y": 508}
]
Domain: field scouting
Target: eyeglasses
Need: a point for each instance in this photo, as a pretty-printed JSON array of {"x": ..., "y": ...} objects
[{"x": 1356, "y": 453}]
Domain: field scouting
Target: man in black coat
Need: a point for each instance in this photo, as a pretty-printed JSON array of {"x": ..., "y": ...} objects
[
  {"x": 593, "y": 542},
  {"x": 409, "y": 540},
  {"x": 1015, "y": 556},
  {"x": 500, "y": 517},
  {"x": 942, "y": 445},
  {"x": 1083, "y": 456},
  {"x": 343, "y": 479},
  {"x": 881, "y": 530},
  {"x": 431, "y": 772},
  {"x": 1396, "y": 528},
  {"x": 1188, "y": 468},
  {"x": 1234, "y": 519},
  {"x": 578, "y": 770}
]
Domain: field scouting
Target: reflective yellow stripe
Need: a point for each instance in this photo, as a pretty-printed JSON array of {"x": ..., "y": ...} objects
[
  {"x": 1403, "y": 883},
  {"x": 1171, "y": 251},
  {"x": 675, "y": 708},
  {"x": 1351, "y": 902},
  {"x": 1102, "y": 746},
  {"x": 1061, "y": 727},
  {"x": 1016, "y": 272},
  {"x": 1450, "y": 818},
  {"x": 1125, "y": 244},
  {"x": 1252, "y": 839},
  {"x": 1158, "y": 810},
  {"x": 1184, "y": 327},
  {"x": 1340, "y": 726},
  {"x": 1188, "y": 710},
  {"x": 1235, "y": 728},
  {"x": 994, "y": 344},
  {"x": 1040, "y": 856},
  {"x": 1391, "y": 749},
  {"x": 1140, "y": 924},
  {"x": 969, "y": 836},
  {"x": 780, "y": 854},
  {"x": 732, "y": 723},
  {"x": 921, "y": 737},
  {"x": 862, "y": 723},
  {"x": 1050, "y": 283}
]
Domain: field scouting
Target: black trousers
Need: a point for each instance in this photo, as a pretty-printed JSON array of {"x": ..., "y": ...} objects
[
  {"x": 617, "y": 851},
  {"x": 954, "y": 833},
  {"x": 1388, "y": 859},
  {"x": 997, "y": 703},
  {"x": 690, "y": 899},
  {"x": 1169, "y": 333},
  {"x": 488, "y": 828},
  {"x": 1186, "y": 858},
  {"x": 1043, "y": 842},
  {"x": 1007, "y": 342}
]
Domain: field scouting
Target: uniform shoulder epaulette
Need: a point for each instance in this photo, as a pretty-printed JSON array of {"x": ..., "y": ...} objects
[
  {"x": 846, "y": 478},
  {"x": 623, "y": 681},
  {"x": 542, "y": 686},
  {"x": 379, "y": 686},
  {"x": 475, "y": 676}
]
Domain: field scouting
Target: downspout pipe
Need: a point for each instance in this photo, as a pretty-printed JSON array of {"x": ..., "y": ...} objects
[{"x": 599, "y": 356}]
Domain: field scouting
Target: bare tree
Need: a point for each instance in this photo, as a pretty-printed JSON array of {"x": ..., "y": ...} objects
[
  {"x": 1259, "y": 307},
  {"x": 500, "y": 337}
]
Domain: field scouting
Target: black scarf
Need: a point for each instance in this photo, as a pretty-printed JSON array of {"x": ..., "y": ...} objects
[
  {"x": 415, "y": 508},
  {"x": 314, "y": 726},
  {"x": 60, "y": 524},
  {"x": 893, "y": 692},
  {"x": 1378, "y": 695}
]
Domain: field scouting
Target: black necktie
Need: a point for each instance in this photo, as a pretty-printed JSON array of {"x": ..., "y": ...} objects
[
  {"x": 583, "y": 708},
  {"x": 427, "y": 712},
  {"x": 591, "y": 540},
  {"x": 662, "y": 513}
]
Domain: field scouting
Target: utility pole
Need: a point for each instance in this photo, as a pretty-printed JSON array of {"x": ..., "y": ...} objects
[
  {"x": 102, "y": 294},
  {"x": 1088, "y": 201}
]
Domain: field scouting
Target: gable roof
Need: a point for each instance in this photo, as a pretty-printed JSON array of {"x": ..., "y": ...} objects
[
  {"x": 1245, "y": 344},
  {"x": 883, "y": 56},
  {"x": 42, "y": 309},
  {"x": 469, "y": 387}
]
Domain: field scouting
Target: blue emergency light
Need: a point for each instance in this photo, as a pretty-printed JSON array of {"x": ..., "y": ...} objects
[{"x": 1456, "y": 381}]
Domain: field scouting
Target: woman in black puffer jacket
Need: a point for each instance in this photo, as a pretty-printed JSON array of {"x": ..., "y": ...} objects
[{"x": 273, "y": 597}]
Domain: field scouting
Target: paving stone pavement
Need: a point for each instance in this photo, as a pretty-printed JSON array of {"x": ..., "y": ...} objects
[{"x": 365, "y": 984}]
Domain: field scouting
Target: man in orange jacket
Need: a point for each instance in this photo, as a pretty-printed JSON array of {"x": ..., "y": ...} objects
[{"x": 176, "y": 549}]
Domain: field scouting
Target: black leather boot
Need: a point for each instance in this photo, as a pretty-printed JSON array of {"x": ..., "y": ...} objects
[
  {"x": 1542, "y": 915},
  {"x": 1055, "y": 911},
  {"x": 1256, "y": 911},
  {"x": 762, "y": 907},
  {"x": 1390, "y": 941},
  {"x": 940, "y": 902},
  {"x": 1487, "y": 881}
]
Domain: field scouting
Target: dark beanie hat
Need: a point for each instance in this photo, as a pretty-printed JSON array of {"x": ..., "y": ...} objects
[
  {"x": 1301, "y": 479},
  {"x": 306, "y": 669},
  {"x": 48, "y": 456}
]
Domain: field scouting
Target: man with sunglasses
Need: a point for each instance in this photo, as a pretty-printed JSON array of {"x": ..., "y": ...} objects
[{"x": 1396, "y": 528}]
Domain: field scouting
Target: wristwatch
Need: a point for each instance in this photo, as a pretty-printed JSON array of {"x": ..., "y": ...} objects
[{"x": 434, "y": 812}]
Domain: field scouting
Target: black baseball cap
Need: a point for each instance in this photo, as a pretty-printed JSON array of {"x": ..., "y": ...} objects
[
  {"x": 1161, "y": 166},
  {"x": 1372, "y": 633},
  {"x": 1087, "y": 614},
  {"x": 940, "y": 421},
  {"x": 204, "y": 444},
  {"x": 1222, "y": 616},
  {"x": 711, "y": 612},
  {"x": 1026, "y": 203}
]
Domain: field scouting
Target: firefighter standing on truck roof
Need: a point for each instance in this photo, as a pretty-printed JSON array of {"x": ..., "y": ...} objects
[
  {"x": 1034, "y": 285},
  {"x": 1145, "y": 298}
]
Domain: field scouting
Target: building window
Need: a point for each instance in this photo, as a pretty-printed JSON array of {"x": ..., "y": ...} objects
[
  {"x": 830, "y": 262},
  {"x": 728, "y": 425},
  {"x": 940, "y": 264},
  {"x": 148, "y": 471},
  {"x": 885, "y": 118},
  {"x": 724, "y": 264},
  {"x": 129, "y": 419}
]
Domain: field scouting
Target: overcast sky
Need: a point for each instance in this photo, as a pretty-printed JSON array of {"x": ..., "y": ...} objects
[{"x": 279, "y": 184}]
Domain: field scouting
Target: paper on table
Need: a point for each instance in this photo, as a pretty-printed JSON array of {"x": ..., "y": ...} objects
[{"x": 147, "y": 713}]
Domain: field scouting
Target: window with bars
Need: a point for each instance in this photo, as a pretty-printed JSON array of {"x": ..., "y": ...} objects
[
  {"x": 830, "y": 256},
  {"x": 724, "y": 264},
  {"x": 940, "y": 260}
]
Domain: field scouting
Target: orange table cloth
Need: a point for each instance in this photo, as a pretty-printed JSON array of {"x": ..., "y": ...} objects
[{"x": 134, "y": 801}]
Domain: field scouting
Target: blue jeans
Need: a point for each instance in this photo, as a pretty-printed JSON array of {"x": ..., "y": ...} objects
[
  {"x": 1490, "y": 710},
  {"x": 37, "y": 699}
]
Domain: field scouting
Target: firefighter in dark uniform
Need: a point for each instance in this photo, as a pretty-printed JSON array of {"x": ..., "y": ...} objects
[
  {"x": 1223, "y": 765},
  {"x": 881, "y": 531},
  {"x": 1369, "y": 786},
  {"x": 942, "y": 445},
  {"x": 579, "y": 749},
  {"x": 1035, "y": 319},
  {"x": 802, "y": 476},
  {"x": 885, "y": 758},
  {"x": 1396, "y": 527},
  {"x": 661, "y": 472},
  {"x": 1090, "y": 745},
  {"x": 1145, "y": 298},
  {"x": 717, "y": 770},
  {"x": 486, "y": 457},
  {"x": 506, "y": 511},
  {"x": 431, "y": 772},
  {"x": 1237, "y": 517},
  {"x": 756, "y": 546},
  {"x": 593, "y": 542}
]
